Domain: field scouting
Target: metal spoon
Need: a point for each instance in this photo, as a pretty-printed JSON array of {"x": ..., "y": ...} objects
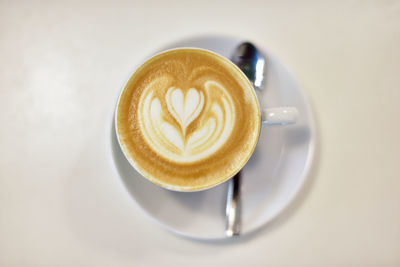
[{"x": 250, "y": 60}]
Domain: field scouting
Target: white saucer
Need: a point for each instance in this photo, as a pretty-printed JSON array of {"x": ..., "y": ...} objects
[{"x": 271, "y": 178}]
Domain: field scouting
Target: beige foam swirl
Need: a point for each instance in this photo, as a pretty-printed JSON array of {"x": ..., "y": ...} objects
[{"x": 166, "y": 129}]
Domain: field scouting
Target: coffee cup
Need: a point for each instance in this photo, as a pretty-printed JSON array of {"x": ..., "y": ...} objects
[{"x": 189, "y": 119}]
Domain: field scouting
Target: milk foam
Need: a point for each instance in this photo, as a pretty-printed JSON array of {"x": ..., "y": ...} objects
[{"x": 166, "y": 129}]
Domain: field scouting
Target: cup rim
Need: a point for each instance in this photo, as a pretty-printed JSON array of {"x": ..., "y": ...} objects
[{"x": 152, "y": 178}]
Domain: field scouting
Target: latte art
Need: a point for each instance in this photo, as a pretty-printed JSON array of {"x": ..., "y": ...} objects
[
  {"x": 188, "y": 119},
  {"x": 166, "y": 131}
]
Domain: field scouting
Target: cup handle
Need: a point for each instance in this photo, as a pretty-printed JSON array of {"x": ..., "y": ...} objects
[{"x": 279, "y": 116}]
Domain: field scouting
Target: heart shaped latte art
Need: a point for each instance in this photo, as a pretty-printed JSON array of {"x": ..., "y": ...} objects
[
  {"x": 165, "y": 121},
  {"x": 186, "y": 108}
]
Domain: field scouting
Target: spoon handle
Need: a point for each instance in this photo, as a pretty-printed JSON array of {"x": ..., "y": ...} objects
[{"x": 233, "y": 207}]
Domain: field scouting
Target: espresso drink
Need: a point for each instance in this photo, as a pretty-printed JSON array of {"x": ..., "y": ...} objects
[{"x": 188, "y": 119}]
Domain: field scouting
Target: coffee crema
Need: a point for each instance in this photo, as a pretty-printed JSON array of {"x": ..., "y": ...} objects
[{"x": 188, "y": 119}]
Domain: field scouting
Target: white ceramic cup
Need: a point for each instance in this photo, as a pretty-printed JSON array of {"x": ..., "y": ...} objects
[{"x": 272, "y": 116}]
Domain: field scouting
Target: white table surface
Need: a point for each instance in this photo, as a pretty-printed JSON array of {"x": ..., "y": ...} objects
[{"x": 62, "y": 66}]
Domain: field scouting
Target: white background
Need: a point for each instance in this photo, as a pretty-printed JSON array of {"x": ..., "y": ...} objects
[{"x": 62, "y": 65}]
